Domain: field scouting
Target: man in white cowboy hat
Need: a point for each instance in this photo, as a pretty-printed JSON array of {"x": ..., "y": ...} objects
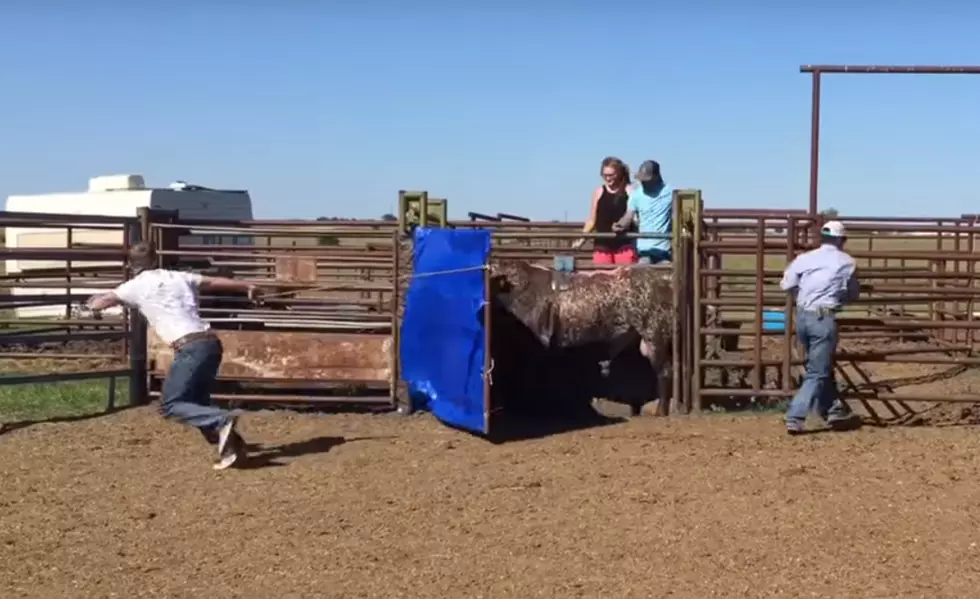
[{"x": 823, "y": 280}]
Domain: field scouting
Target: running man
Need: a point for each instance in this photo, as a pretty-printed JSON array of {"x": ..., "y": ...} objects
[{"x": 168, "y": 300}]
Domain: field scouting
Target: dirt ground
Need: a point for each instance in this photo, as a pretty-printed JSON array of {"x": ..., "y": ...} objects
[{"x": 388, "y": 506}]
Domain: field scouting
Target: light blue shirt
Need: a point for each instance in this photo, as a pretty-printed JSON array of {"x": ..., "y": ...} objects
[
  {"x": 654, "y": 209},
  {"x": 822, "y": 278}
]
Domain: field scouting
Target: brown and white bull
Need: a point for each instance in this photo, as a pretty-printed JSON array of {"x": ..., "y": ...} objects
[{"x": 611, "y": 308}]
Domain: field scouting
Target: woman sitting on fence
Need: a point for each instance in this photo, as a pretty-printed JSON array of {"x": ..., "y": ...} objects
[{"x": 609, "y": 203}]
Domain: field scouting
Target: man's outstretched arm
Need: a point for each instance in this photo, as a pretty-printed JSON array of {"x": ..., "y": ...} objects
[
  {"x": 103, "y": 301},
  {"x": 124, "y": 294},
  {"x": 117, "y": 297},
  {"x": 226, "y": 284}
]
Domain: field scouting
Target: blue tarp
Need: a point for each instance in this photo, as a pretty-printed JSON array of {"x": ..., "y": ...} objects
[{"x": 442, "y": 334}]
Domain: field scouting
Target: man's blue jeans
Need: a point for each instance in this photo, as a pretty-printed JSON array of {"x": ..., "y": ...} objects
[
  {"x": 653, "y": 256},
  {"x": 186, "y": 395},
  {"x": 818, "y": 334}
]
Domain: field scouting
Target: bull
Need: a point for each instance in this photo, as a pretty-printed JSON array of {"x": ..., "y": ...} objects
[{"x": 611, "y": 308}]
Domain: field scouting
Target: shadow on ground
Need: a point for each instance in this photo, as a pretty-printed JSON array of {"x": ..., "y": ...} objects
[
  {"x": 261, "y": 456},
  {"x": 538, "y": 392},
  {"x": 9, "y": 427}
]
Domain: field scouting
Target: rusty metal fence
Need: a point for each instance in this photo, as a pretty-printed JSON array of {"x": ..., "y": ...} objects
[
  {"x": 327, "y": 332},
  {"x": 914, "y": 326},
  {"x": 52, "y": 264}
]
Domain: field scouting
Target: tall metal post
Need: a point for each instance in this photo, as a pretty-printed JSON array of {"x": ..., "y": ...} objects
[
  {"x": 138, "y": 391},
  {"x": 817, "y": 70}
]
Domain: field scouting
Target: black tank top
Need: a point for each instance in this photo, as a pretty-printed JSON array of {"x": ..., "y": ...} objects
[{"x": 610, "y": 208}]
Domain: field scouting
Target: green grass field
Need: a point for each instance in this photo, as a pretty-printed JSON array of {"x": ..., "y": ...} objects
[
  {"x": 70, "y": 399},
  {"x": 776, "y": 260}
]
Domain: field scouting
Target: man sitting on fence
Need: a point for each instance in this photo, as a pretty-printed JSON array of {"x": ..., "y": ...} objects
[
  {"x": 823, "y": 280},
  {"x": 169, "y": 301}
]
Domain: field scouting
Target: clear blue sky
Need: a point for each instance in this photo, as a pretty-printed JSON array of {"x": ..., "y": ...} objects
[{"x": 329, "y": 111}]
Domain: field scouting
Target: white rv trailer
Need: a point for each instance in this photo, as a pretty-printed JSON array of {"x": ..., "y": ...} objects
[{"x": 114, "y": 195}]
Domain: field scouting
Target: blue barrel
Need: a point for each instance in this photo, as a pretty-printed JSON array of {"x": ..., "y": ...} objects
[{"x": 773, "y": 320}]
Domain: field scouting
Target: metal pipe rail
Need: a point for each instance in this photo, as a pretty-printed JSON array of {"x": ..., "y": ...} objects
[
  {"x": 922, "y": 269},
  {"x": 816, "y": 72}
]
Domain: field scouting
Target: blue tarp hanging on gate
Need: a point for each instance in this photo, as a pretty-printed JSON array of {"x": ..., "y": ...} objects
[{"x": 442, "y": 334}]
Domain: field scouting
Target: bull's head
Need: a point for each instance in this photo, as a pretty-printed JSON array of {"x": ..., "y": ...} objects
[
  {"x": 525, "y": 292},
  {"x": 506, "y": 277},
  {"x": 511, "y": 280}
]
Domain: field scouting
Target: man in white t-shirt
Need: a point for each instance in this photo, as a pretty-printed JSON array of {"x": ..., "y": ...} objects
[{"x": 169, "y": 301}]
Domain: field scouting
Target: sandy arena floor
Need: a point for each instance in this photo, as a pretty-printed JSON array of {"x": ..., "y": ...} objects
[{"x": 385, "y": 506}]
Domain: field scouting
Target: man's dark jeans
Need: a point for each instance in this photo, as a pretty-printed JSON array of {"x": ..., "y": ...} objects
[
  {"x": 818, "y": 333},
  {"x": 653, "y": 256},
  {"x": 186, "y": 395}
]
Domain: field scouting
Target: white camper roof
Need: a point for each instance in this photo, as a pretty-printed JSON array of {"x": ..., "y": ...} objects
[
  {"x": 114, "y": 195},
  {"x": 122, "y": 195},
  {"x": 116, "y": 183}
]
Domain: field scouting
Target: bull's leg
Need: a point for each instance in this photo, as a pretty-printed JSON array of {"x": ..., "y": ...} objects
[
  {"x": 661, "y": 366},
  {"x": 665, "y": 384},
  {"x": 615, "y": 409},
  {"x": 616, "y": 347}
]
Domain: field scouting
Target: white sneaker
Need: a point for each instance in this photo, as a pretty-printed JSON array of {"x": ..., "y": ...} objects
[
  {"x": 224, "y": 433},
  {"x": 226, "y": 460},
  {"x": 234, "y": 452}
]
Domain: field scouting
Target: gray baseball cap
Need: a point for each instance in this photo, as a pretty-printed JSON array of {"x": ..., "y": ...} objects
[{"x": 648, "y": 171}]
